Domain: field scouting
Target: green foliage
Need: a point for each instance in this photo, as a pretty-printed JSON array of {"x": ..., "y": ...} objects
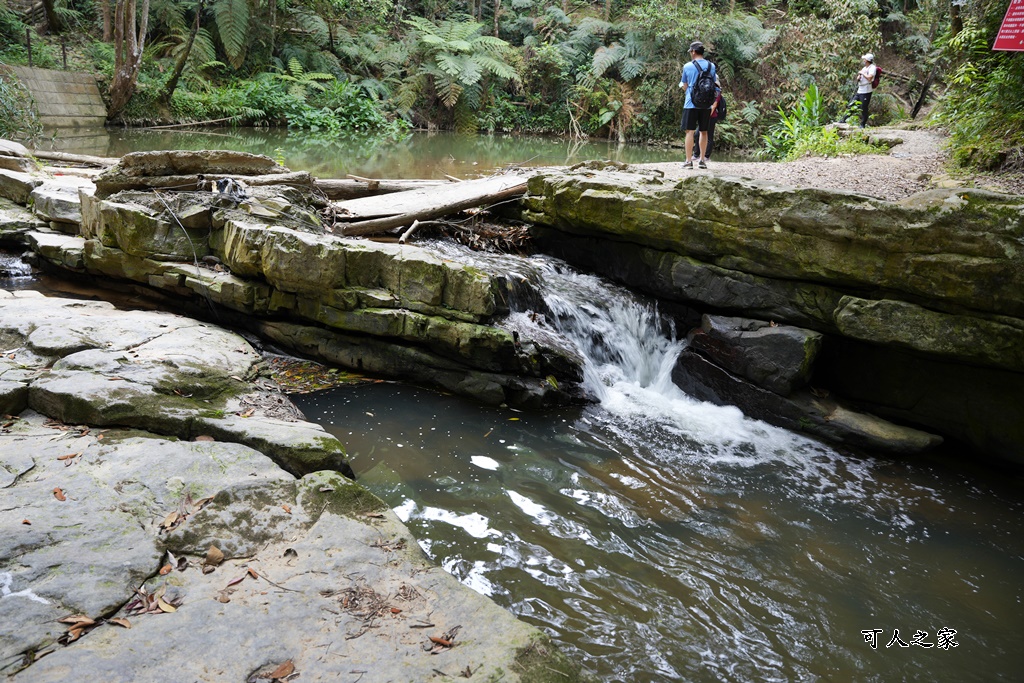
[
  {"x": 354, "y": 110},
  {"x": 18, "y": 119},
  {"x": 299, "y": 81},
  {"x": 452, "y": 60},
  {"x": 802, "y": 132},
  {"x": 233, "y": 28},
  {"x": 983, "y": 108}
]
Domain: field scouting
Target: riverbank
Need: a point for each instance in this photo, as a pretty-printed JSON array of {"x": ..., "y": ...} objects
[{"x": 918, "y": 162}]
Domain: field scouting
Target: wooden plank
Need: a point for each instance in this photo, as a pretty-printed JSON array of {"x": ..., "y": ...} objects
[{"x": 417, "y": 201}]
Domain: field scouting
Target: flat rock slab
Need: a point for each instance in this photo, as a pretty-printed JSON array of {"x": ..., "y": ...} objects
[
  {"x": 126, "y": 554},
  {"x": 85, "y": 362},
  {"x": 316, "y": 571}
]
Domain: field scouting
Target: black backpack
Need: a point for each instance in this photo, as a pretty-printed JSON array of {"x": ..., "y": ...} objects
[
  {"x": 703, "y": 95},
  {"x": 721, "y": 109}
]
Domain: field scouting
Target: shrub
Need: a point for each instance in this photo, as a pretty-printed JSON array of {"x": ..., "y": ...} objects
[{"x": 18, "y": 118}]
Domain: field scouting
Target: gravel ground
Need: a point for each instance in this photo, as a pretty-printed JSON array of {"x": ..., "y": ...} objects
[{"x": 917, "y": 163}]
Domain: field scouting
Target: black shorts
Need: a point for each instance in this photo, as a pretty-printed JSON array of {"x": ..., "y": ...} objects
[{"x": 696, "y": 119}]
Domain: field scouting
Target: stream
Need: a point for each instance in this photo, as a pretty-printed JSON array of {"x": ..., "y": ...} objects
[
  {"x": 653, "y": 536},
  {"x": 658, "y": 538}
]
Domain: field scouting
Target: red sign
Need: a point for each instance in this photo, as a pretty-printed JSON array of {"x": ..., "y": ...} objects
[{"x": 1011, "y": 33}]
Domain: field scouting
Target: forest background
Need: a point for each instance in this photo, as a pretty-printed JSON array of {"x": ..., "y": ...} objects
[{"x": 608, "y": 68}]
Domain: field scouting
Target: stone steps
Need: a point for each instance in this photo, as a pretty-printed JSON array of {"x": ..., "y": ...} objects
[{"x": 64, "y": 99}]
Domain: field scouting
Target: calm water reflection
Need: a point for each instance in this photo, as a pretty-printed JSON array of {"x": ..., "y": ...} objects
[{"x": 416, "y": 155}]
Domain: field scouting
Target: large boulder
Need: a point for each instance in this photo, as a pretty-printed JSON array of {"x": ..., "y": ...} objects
[
  {"x": 956, "y": 248},
  {"x": 937, "y": 278},
  {"x": 815, "y": 414},
  {"x": 184, "y": 162},
  {"x": 88, "y": 363},
  {"x": 775, "y": 357}
]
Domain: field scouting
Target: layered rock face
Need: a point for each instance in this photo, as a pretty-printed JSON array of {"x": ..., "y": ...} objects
[
  {"x": 921, "y": 302},
  {"x": 393, "y": 310}
]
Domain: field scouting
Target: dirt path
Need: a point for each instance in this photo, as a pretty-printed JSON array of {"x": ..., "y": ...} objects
[{"x": 916, "y": 164}]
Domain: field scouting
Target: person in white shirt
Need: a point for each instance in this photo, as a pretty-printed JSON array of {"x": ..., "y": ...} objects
[{"x": 864, "y": 79}]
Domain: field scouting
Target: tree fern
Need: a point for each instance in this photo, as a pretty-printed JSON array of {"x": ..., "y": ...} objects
[{"x": 233, "y": 28}]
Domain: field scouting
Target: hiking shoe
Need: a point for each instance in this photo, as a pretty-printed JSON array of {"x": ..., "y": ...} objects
[
  {"x": 688, "y": 164},
  {"x": 701, "y": 164}
]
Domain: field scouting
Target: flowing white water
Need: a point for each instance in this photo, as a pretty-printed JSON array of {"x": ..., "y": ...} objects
[
  {"x": 12, "y": 267},
  {"x": 663, "y": 539}
]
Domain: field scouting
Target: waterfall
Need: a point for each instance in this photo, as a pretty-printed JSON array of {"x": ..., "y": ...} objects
[{"x": 12, "y": 267}]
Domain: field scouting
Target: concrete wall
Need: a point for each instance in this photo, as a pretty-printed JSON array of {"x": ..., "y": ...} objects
[{"x": 63, "y": 98}]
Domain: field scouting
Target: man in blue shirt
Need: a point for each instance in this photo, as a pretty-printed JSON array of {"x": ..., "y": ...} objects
[{"x": 694, "y": 118}]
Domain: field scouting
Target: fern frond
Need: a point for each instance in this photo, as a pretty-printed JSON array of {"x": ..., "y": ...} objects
[
  {"x": 498, "y": 68},
  {"x": 233, "y": 28},
  {"x": 604, "y": 59}
]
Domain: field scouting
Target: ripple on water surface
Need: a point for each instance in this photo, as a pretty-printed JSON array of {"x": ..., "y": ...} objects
[
  {"x": 709, "y": 548},
  {"x": 663, "y": 539}
]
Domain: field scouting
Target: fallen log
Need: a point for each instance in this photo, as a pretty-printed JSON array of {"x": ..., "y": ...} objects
[
  {"x": 415, "y": 201},
  {"x": 431, "y": 212},
  {"x": 353, "y": 188},
  {"x": 67, "y": 158},
  {"x": 106, "y": 186}
]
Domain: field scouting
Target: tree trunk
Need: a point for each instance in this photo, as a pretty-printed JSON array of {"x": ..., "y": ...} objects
[
  {"x": 52, "y": 19},
  {"x": 108, "y": 20},
  {"x": 179, "y": 66},
  {"x": 430, "y": 210},
  {"x": 924, "y": 94},
  {"x": 497, "y": 11},
  {"x": 129, "y": 41}
]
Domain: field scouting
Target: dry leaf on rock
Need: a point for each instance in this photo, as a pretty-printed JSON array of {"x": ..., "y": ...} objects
[
  {"x": 58, "y": 493},
  {"x": 284, "y": 670},
  {"x": 214, "y": 556},
  {"x": 124, "y": 623}
]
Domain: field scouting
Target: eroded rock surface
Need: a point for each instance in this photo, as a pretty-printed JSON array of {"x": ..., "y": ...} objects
[
  {"x": 938, "y": 275},
  {"x": 136, "y": 459}
]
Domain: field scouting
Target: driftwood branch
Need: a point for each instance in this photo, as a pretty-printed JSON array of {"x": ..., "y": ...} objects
[
  {"x": 376, "y": 225},
  {"x": 186, "y": 125},
  {"x": 75, "y": 158},
  {"x": 408, "y": 233},
  {"x": 351, "y": 188}
]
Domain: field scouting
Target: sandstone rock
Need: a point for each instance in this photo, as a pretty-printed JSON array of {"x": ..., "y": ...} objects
[
  {"x": 154, "y": 371},
  {"x": 66, "y": 251},
  {"x": 822, "y": 417},
  {"x": 17, "y": 186},
  {"x": 19, "y": 164},
  {"x": 997, "y": 342},
  {"x": 775, "y": 357},
  {"x": 960, "y": 247},
  {"x": 9, "y": 148},
  {"x": 185, "y": 162},
  {"x": 59, "y": 201},
  {"x": 15, "y": 221}
]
